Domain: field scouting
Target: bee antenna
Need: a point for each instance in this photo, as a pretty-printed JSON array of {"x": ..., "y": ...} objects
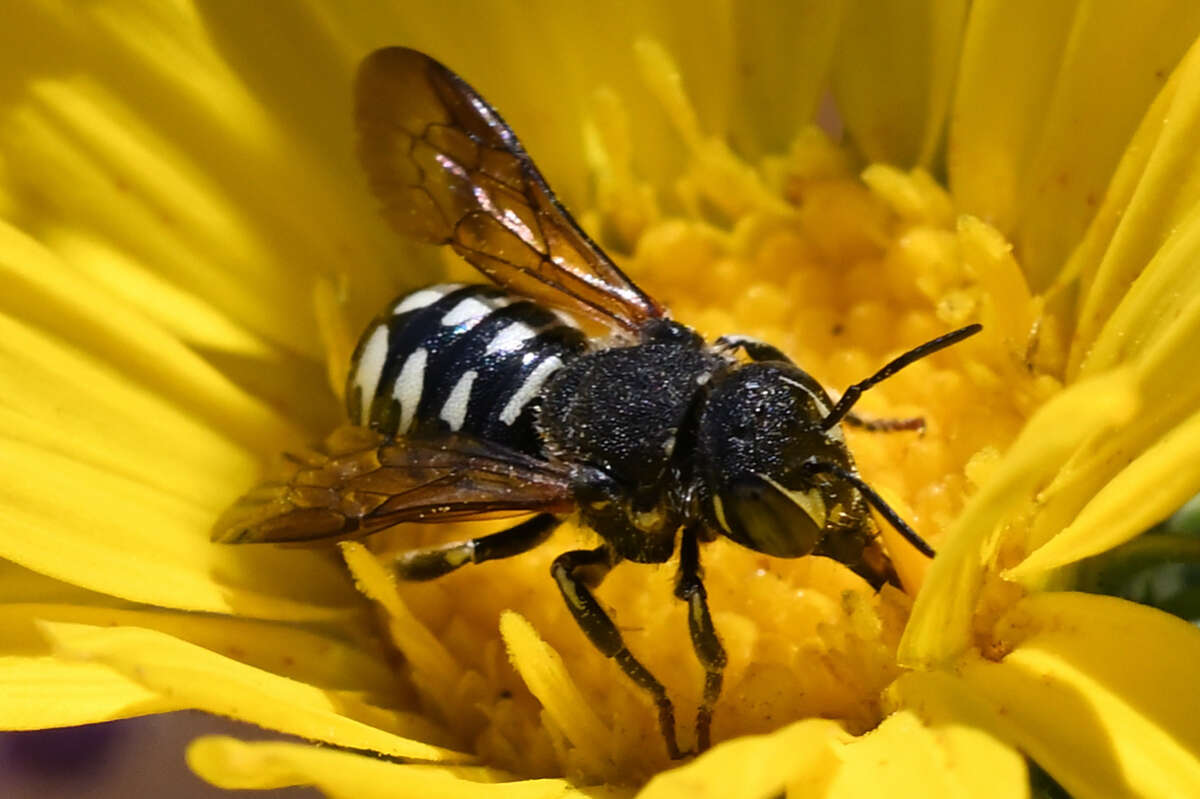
[
  {"x": 855, "y": 391},
  {"x": 873, "y": 499}
]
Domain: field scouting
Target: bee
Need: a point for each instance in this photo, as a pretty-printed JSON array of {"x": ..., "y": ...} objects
[{"x": 562, "y": 388}]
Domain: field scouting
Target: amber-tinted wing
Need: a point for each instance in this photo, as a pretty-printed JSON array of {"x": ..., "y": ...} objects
[
  {"x": 358, "y": 482},
  {"x": 450, "y": 171}
]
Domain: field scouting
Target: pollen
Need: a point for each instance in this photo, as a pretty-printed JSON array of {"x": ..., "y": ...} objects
[{"x": 843, "y": 267}]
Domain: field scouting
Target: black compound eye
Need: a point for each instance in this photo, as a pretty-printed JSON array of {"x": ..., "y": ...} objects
[{"x": 768, "y": 518}]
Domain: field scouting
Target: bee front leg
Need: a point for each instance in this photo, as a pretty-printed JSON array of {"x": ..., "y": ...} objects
[
  {"x": 689, "y": 587},
  {"x": 433, "y": 562},
  {"x": 574, "y": 571}
]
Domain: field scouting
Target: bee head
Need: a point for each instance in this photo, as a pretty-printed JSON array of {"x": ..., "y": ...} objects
[{"x": 758, "y": 435}]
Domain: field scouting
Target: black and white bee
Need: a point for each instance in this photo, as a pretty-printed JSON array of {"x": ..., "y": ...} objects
[{"x": 561, "y": 389}]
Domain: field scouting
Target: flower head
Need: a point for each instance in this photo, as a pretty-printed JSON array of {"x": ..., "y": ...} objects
[{"x": 189, "y": 254}]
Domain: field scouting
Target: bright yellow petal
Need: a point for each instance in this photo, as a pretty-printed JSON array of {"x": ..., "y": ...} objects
[
  {"x": 233, "y": 764},
  {"x": 543, "y": 89},
  {"x": 893, "y": 75},
  {"x": 543, "y": 672},
  {"x": 113, "y": 454},
  {"x": 18, "y": 584},
  {"x": 1141, "y": 495},
  {"x": 1139, "y": 655},
  {"x": 1168, "y": 387},
  {"x": 783, "y": 54},
  {"x": 1096, "y": 690},
  {"x": 39, "y": 691},
  {"x": 1043, "y": 111},
  {"x": 756, "y": 765},
  {"x": 309, "y": 657},
  {"x": 198, "y": 678},
  {"x": 940, "y": 627},
  {"x": 914, "y": 760},
  {"x": 1162, "y": 292},
  {"x": 130, "y": 540},
  {"x": 43, "y": 291},
  {"x": 1153, "y": 193},
  {"x": 1108, "y": 678},
  {"x": 160, "y": 169},
  {"x": 432, "y": 665},
  {"x": 717, "y": 183}
]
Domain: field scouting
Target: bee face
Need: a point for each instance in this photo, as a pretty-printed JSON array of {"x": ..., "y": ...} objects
[{"x": 759, "y": 428}]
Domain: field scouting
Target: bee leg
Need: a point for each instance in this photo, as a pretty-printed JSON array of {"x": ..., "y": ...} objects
[
  {"x": 689, "y": 587},
  {"x": 885, "y": 425},
  {"x": 574, "y": 571},
  {"x": 431, "y": 562}
]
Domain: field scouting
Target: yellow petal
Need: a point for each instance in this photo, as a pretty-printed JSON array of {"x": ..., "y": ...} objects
[
  {"x": 1009, "y": 310},
  {"x": 717, "y": 182},
  {"x": 1097, "y": 690},
  {"x": 129, "y": 211},
  {"x": 915, "y": 760},
  {"x": 1141, "y": 656},
  {"x": 432, "y": 665},
  {"x": 940, "y": 627},
  {"x": 113, "y": 454},
  {"x": 783, "y": 53},
  {"x": 893, "y": 73},
  {"x": 198, "y": 678},
  {"x": 1153, "y": 192},
  {"x": 541, "y": 90},
  {"x": 105, "y": 531},
  {"x": 158, "y": 167},
  {"x": 1034, "y": 77},
  {"x": 18, "y": 584},
  {"x": 1141, "y": 495},
  {"x": 1113, "y": 678},
  {"x": 1169, "y": 390},
  {"x": 320, "y": 660},
  {"x": 755, "y": 765},
  {"x": 543, "y": 672},
  {"x": 1164, "y": 290},
  {"x": 233, "y": 764},
  {"x": 95, "y": 329},
  {"x": 39, "y": 691}
]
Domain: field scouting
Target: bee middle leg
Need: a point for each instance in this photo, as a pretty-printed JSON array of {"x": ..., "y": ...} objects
[
  {"x": 574, "y": 572},
  {"x": 689, "y": 587},
  {"x": 432, "y": 562}
]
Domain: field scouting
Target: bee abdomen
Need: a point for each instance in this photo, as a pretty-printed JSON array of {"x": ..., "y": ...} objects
[{"x": 459, "y": 358}]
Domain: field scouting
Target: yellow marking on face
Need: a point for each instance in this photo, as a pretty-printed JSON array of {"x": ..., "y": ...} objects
[
  {"x": 719, "y": 511},
  {"x": 648, "y": 521},
  {"x": 810, "y": 501}
]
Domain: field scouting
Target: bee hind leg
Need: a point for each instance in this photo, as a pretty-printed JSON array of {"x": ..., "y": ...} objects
[
  {"x": 573, "y": 572},
  {"x": 689, "y": 587},
  {"x": 432, "y": 562}
]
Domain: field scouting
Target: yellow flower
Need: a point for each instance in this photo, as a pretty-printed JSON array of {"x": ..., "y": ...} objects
[{"x": 188, "y": 251}]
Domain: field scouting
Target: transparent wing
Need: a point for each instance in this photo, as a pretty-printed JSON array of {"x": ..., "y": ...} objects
[
  {"x": 358, "y": 482},
  {"x": 449, "y": 170}
]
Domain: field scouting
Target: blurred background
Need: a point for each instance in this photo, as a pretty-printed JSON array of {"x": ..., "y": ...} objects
[{"x": 133, "y": 757}]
